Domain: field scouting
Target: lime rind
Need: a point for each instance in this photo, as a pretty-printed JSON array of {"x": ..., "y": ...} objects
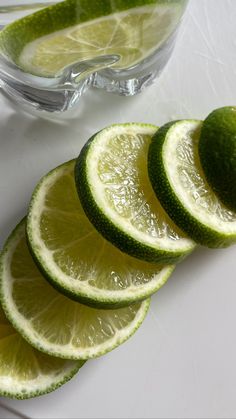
[
  {"x": 130, "y": 317},
  {"x": 82, "y": 290},
  {"x": 217, "y": 152},
  {"x": 116, "y": 229},
  {"x": 196, "y": 209}
]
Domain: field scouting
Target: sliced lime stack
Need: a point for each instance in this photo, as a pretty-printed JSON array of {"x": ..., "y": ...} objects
[
  {"x": 112, "y": 178},
  {"x": 51, "y": 322},
  {"x": 53, "y": 38},
  {"x": 26, "y": 372},
  {"x": 180, "y": 184},
  {"x": 75, "y": 258},
  {"x": 116, "y": 194}
]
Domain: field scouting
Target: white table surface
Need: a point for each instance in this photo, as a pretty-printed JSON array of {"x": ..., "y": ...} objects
[{"x": 182, "y": 361}]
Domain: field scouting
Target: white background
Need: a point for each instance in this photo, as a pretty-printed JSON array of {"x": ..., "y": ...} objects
[{"x": 182, "y": 362}]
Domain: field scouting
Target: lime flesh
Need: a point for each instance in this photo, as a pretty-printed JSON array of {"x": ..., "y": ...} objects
[
  {"x": 116, "y": 194},
  {"x": 26, "y": 372},
  {"x": 75, "y": 257},
  {"x": 51, "y": 322}
]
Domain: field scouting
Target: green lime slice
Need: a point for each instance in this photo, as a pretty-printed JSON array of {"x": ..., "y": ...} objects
[
  {"x": 179, "y": 182},
  {"x": 116, "y": 194},
  {"x": 217, "y": 151},
  {"x": 26, "y": 372},
  {"x": 51, "y": 322},
  {"x": 47, "y": 41},
  {"x": 75, "y": 257}
]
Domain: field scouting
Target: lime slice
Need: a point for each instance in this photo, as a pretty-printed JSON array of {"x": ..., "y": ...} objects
[
  {"x": 75, "y": 257},
  {"x": 217, "y": 151},
  {"x": 50, "y": 40},
  {"x": 178, "y": 180},
  {"x": 26, "y": 372},
  {"x": 116, "y": 194},
  {"x": 50, "y": 321}
]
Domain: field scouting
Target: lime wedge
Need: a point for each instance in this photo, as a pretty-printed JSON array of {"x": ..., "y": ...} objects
[
  {"x": 75, "y": 257},
  {"x": 217, "y": 152},
  {"x": 50, "y": 40},
  {"x": 51, "y": 322},
  {"x": 180, "y": 185},
  {"x": 26, "y": 372},
  {"x": 116, "y": 194}
]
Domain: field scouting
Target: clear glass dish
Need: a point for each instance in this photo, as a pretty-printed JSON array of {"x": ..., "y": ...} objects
[{"x": 62, "y": 91}]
